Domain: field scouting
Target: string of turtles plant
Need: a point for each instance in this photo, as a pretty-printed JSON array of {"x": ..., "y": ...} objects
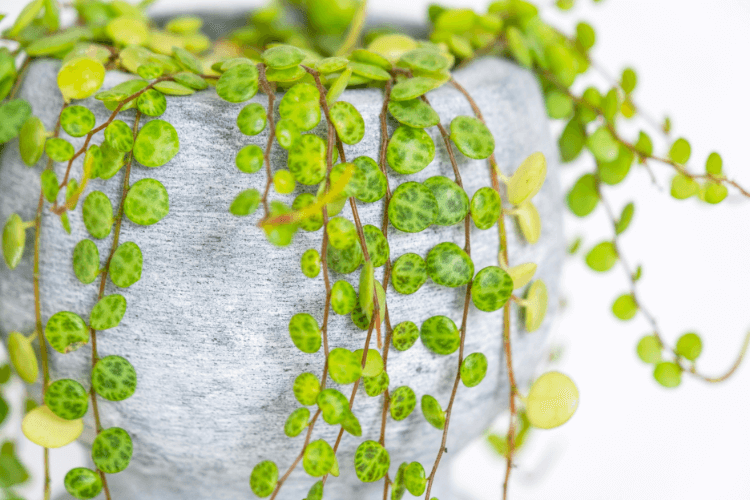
[{"x": 312, "y": 67}]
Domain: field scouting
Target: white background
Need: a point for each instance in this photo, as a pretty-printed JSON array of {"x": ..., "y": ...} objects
[{"x": 632, "y": 439}]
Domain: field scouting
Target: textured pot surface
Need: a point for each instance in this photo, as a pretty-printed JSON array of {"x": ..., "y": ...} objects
[{"x": 206, "y": 326}]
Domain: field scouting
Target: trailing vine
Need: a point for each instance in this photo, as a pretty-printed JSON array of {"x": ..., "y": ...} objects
[{"x": 312, "y": 68}]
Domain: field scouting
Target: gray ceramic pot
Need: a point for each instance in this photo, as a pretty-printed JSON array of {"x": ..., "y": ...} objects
[{"x": 206, "y": 326}]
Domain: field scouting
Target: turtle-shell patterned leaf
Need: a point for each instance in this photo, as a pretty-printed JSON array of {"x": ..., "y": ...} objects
[
  {"x": 344, "y": 261},
  {"x": 405, "y": 334},
  {"x": 473, "y": 369},
  {"x": 318, "y": 458},
  {"x": 485, "y": 207},
  {"x": 349, "y": 124},
  {"x": 403, "y": 402},
  {"x": 282, "y": 56},
  {"x": 310, "y": 263},
  {"x": 263, "y": 478},
  {"x": 344, "y": 366},
  {"x": 306, "y": 388},
  {"x": 58, "y": 149},
  {"x": 472, "y": 137},
  {"x": 238, "y": 83},
  {"x": 414, "y": 113},
  {"x": 97, "y": 214},
  {"x": 77, "y": 121},
  {"x": 343, "y": 297},
  {"x": 409, "y": 273},
  {"x": 305, "y": 332},
  {"x": 112, "y": 450},
  {"x": 108, "y": 312},
  {"x": 432, "y": 412},
  {"x": 126, "y": 265},
  {"x": 249, "y": 159},
  {"x": 156, "y": 143},
  {"x": 307, "y": 159},
  {"x": 410, "y": 150},
  {"x": 342, "y": 233},
  {"x": 491, "y": 289},
  {"x": 333, "y": 405},
  {"x": 301, "y": 104},
  {"x": 67, "y": 399},
  {"x": 114, "y": 378},
  {"x": 373, "y": 185},
  {"x": 83, "y": 483},
  {"x": 296, "y": 422},
  {"x": 147, "y": 202},
  {"x": 377, "y": 245},
  {"x": 66, "y": 331},
  {"x": 119, "y": 135},
  {"x": 86, "y": 261},
  {"x": 452, "y": 200},
  {"x": 412, "y": 207},
  {"x": 415, "y": 478},
  {"x": 371, "y": 461},
  {"x": 252, "y": 119},
  {"x": 375, "y": 386},
  {"x": 411, "y": 88},
  {"x": 152, "y": 103},
  {"x": 440, "y": 335},
  {"x": 449, "y": 265}
]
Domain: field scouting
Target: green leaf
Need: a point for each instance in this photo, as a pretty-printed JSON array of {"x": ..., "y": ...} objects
[
  {"x": 119, "y": 135},
  {"x": 583, "y": 196},
  {"x": 190, "y": 80},
  {"x": 31, "y": 140},
  {"x": 126, "y": 265},
  {"x": 571, "y": 140},
  {"x": 410, "y": 150},
  {"x": 81, "y": 482},
  {"x": 398, "y": 488},
  {"x": 668, "y": 374},
  {"x": 285, "y": 75},
  {"x": 485, "y": 207},
  {"x": 98, "y": 215},
  {"x": 306, "y": 388},
  {"x": 310, "y": 263},
  {"x": 713, "y": 192},
  {"x": 342, "y": 233},
  {"x": 122, "y": 91},
  {"x": 343, "y": 297},
  {"x": 628, "y": 80},
  {"x": 586, "y": 35},
  {"x": 377, "y": 245},
  {"x": 453, "y": 203},
  {"x": 25, "y": 17},
  {"x": 518, "y": 46},
  {"x": 283, "y": 56},
  {"x": 369, "y": 71},
  {"x": 411, "y": 88},
  {"x": 625, "y": 217},
  {"x": 296, "y": 422},
  {"x": 602, "y": 257},
  {"x": 375, "y": 386},
  {"x": 423, "y": 59},
  {"x": 689, "y": 346},
  {"x": 449, "y": 265},
  {"x": 644, "y": 145},
  {"x": 472, "y": 137},
  {"x": 263, "y": 478},
  {"x": 603, "y": 145},
  {"x": 373, "y": 182},
  {"x": 23, "y": 357},
  {"x": 536, "y": 306},
  {"x": 157, "y": 143},
  {"x": 315, "y": 492},
  {"x": 286, "y": 133},
  {"x": 13, "y": 114},
  {"x": 331, "y": 64},
  {"x": 559, "y": 104},
  {"x": 409, "y": 273},
  {"x": 404, "y": 335},
  {"x": 680, "y": 151},
  {"x": 369, "y": 288},
  {"x": 307, "y": 159},
  {"x": 412, "y": 207},
  {"x": 473, "y": 369},
  {"x": 339, "y": 85},
  {"x": 432, "y": 412},
  {"x": 683, "y": 187},
  {"x": 528, "y": 178},
  {"x": 371, "y": 461},
  {"x": 403, "y": 402},
  {"x": 66, "y": 331},
  {"x": 440, "y": 335},
  {"x": 415, "y": 478},
  {"x": 14, "y": 240},
  {"x": 114, "y": 378},
  {"x": 152, "y": 103},
  {"x": 344, "y": 366},
  {"x": 649, "y": 349},
  {"x": 147, "y": 202},
  {"x": 318, "y": 458},
  {"x": 58, "y": 42},
  {"x": 252, "y": 119},
  {"x": 112, "y": 450},
  {"x": 414, "y": 113},
  {"x": 67, "y": 399},
  {"x": 349, "y": 124},
  {"x": 615, "y": 171},
  {"x": 491, "y": 289},
  {"x": 333, "y": 405},
  {"x": 714, "y": 164},
  {"x": 238, "y": 84},
  {"x": 624, "y": 307},
  {"x": 301, "y": 105},
  {"x": 108, "y": 312},
  {"x": 305, "y": 332},
  {"x": 350, "y": 424},
  {"x": 249, "y": 159},
  {"x": 80, "y": 78},
  {"x": 173, "y": 88}
]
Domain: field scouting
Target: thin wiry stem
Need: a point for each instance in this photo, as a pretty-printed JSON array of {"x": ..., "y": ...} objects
[{"x": 270, "y": 91}]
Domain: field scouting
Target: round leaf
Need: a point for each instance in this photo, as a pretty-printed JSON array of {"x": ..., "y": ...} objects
[
  {"x": 31, "y": 140},
  {"x": 371, "y": 461},
  {"x": 66, "y": 332},
  {"x": 448, "y": 265},
  {"x": 405, "y": 334},
  {"x": 440, "y": 335},
  {"x": 375, "y": 386},
  {"x": 377, "y": 245},
  {"x": 245, "y": 203},
  {"x": 80, "y": 78},
  {"x": 152, "y": 103},
  {"x": 432, "y": 412},
  {"x": 410, "y": 150},
  {"x": 411, "y": 88},
  {"x": 67, "y": 399},
  {"x": 249, "y": 159},
  {"x": 552, "y": 400},
  {"x": 349, "y": 124},
  {"x": 310, "y": 263},
  {"x": 305, "y": 332},
  {"x": 86, "y": 261},
  {"x": 44, "y": 428},
  {"x": 126, "y": 265},
  {"x": 59, "y": 150},
  {"x": 112, "y": 450},
  {"x": 263, "y": 478},
  {"x": 343, "y": 366},
  {"x": 14, "y": 240},
  {"x": 252, "y": 119},
  {"x": 282, "y": 56},
  {"x": 583, "y": 197},
  {"x": 485, "y": 207},
  {"x": 77, "y": 121},
  {"x": 536, "y": 305},
  {"x": 472, "y": 137},
  {"x": 602, "y": 257},
  {"x": 318, "y": 458},
  {"x": 83, "y": 483},
  {"x": 528, "y": 178},
  {"x": 491, "y": 289},
  {"x": 307, "y": 159},
  {"x": 97, "y": 214},
  {"x": 373, "y": 182},
  {"x": 108, "y": 312},
  {"x": 119, "y": 135},
  {"x": 415, "y": 478},
  {"x": 412, "y": 207},
  {"x": 649, "y": 349},
  {"x": 453, "y": 203},
  {"x": 238, "y": 84},
  {"x": 301, "y": 105},
  {"x": 333, "y": 405},
  {"x": 689, "y": 346},
  {"x": 114, "y": 378},
  {"x": 414, "y": 113},
  {"x": 403, "y": 402},
  {"x": 624, "y": 307},
  {"x": 473, "y": 369},
  {"x": 147, "y": 202},
  {"x": 306, "y": 388},
  {"x": 156, "y": 144},
  {"x": 343, "y": 297},
  {"x": 409, "y": 273},
  {"x": 668, "y": 374},
  {"x": 23, "y": 357}
]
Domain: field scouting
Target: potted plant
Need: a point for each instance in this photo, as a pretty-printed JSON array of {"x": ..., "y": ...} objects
[{"x": 397, "y": 204}]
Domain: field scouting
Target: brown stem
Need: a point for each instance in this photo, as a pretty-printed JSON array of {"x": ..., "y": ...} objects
[{"x": 270, "y": 91}]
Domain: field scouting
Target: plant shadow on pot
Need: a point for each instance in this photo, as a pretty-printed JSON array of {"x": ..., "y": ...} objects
[{"x": 206, "y": 327}]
